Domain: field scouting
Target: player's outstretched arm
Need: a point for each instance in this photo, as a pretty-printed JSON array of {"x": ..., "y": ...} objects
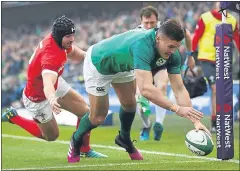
[
  {"x": 76, "y": 54},
  {"x": 179, "y": 90},
  {"x": 149, "y": 91},
  {"x": 183, "y": 99}
]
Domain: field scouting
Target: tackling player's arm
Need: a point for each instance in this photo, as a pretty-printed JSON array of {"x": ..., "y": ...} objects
[
  {"x": 76, "y": 54},
  {"x": 50, "y": 67},
  {"x": 49, "y": 80}
]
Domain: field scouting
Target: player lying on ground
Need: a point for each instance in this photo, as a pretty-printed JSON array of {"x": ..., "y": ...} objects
[
  {"x": 46, "y": 91},
  {"x": 113, "y": 61}
]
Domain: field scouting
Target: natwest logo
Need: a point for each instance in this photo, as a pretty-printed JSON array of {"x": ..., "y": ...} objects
[
  {"x": 218, "y": 108},
  {"x": 227, "y": 108},
  {"x": 227, "y": 40},
  {"x": 217, "y": 40}
]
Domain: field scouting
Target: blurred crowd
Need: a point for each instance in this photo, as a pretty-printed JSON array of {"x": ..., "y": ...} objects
[{"x": 19, "y": 44}]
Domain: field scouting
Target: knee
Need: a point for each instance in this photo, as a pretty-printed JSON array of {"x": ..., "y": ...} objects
[
  {"x": 86, "y": 108},
  {"x": 52, "y": 137},
  {"x": 97, "y": 120},
  {"x": 130, "y": 107}
]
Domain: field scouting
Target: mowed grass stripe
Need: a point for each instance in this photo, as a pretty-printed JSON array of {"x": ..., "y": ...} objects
[
  {"x": 118, "y": 148},
  {"x": 101, "y": 165}
]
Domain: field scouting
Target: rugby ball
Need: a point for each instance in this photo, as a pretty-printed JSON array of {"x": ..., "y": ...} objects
[{"x": 199, "y": 142}]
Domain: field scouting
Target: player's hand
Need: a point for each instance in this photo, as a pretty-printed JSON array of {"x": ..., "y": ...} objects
[
  {"x": 190, "y": 113},
  {"x": 198, "y": 125},
  {"x": 191, "y": 62},
  {"x": 56, "y": 107}
]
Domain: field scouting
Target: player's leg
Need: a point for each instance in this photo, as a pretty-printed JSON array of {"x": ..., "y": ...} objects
[
  {"x": 97, "y": 87},
  {"x": 161, "y": 80},
  {"x": 210, "y": 72},
  {"x": 125, "y": 88},
  {"x": 85, "y": 149},
  {"x": 43, "y": 124},
  {"x": 12, "y": 116},
  {"x": 74, "y": 103},
  {"x": 143, "y": 109},
  {"x": 49, "y": 128},
  {"x": 97, "y": 115}
]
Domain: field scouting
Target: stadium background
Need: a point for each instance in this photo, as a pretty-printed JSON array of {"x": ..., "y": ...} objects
[{"x": 24, "y": 24}]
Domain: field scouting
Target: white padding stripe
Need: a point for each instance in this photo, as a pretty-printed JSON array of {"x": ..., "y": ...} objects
[{"x": 49, "y": 71}]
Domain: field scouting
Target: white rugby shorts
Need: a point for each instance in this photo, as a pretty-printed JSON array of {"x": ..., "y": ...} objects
[
  {"x": 43, "y": 111},
  {"x": 97, "y": 84}
]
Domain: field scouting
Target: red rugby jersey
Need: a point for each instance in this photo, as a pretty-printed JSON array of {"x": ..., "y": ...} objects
[{"x": 48, "y": 57}]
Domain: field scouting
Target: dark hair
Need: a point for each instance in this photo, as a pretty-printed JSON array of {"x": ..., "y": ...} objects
[
  {"x": 148, "y": 11},
  {"x": 172, "y": 29},
  {"x": 62, "y": 26}
]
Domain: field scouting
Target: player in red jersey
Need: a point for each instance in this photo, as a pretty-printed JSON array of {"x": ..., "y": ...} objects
[{"x": 47, "y": 92}]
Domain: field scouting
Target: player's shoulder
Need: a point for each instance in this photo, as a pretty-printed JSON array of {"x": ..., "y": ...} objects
[
  {"x": 49, "y": 45},
  {"x": 176, "y": 56},
  {"x": 176, "y": 53}
]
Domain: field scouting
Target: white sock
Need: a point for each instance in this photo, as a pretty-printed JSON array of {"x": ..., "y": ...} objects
[
  {"x": 160, "y": 114},
  {"x": 145, "y": 119}
]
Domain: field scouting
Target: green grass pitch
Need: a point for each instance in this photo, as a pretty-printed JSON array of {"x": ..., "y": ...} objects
[{"x": 22, "y": 152}]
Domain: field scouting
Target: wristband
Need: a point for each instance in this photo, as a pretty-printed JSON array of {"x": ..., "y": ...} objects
[
  {"x": 178, "y": 107},
  {"x": 174, "y": 108},
  {"x": 189, "y": 54}
]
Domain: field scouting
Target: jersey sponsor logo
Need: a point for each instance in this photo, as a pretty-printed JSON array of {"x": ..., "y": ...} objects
[
  {"x": 160, "y": 61},
  {"x": 100, "y": 89}
]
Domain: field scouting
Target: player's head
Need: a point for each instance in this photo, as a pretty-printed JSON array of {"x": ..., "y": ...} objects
[
  {"x": 149, "y": 17},
  {"x": 63, "y": 31},
  {"x": 169, "y": 37}
]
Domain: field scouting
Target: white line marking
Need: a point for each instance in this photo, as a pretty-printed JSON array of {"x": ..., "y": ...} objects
[
  {"x": 100, "y": 165},
  {"x": 78, "y": 166},
  {"x": 119, "y": 148}
]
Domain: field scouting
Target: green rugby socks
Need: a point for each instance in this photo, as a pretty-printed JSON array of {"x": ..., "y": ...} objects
[
  {"x": 84, "y": 126},
  {"x": 126, "y": 119}
]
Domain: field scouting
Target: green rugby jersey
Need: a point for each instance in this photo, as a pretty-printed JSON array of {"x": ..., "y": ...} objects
[{"x": 134, "y": 49}]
